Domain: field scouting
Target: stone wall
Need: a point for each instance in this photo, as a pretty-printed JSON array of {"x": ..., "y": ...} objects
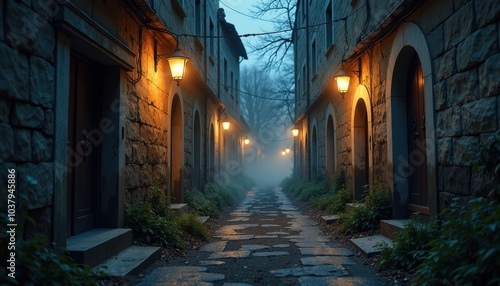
[
  {"x": 27, "y": 43},
  {"x": 463, "y": 41}
]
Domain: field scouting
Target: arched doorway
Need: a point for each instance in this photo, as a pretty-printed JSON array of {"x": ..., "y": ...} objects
[
  {"x": 411, "y": 133},
  {"x": 211, "y": 151},
  {"x": 314, "y": 153},
  {"x": 361, "y": 153},
  {"x": 176, "y": 138},
  {"x": 417, "y": 180},
  {"x": 330, "y": 150},
  {"x": 197, "y": 151}
]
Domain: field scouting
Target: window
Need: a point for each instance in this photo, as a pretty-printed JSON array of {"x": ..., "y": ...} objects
[
  {"x": 236, "y": 89},
  {"x": 314, "y": 58},
  {"x": 212, "y": 40},
  {"x": 198, "y": 17},
  {"x": 232, "y": 84},
  {"x": 329, "y": 24},
  {"x": 225, "y": 74},
  {"x": 304, "y": 78}
]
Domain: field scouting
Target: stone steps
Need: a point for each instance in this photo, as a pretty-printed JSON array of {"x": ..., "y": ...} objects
[
  {"x": 202, "y": 219},
  {"x": 388, "y": 231},
  {"x": 111, "y": 247},
  {"x": 350, "y": 206},
  {"x": 330, "y": 219},
  {"x": 95, "y": 246},
  {"x": 179, "y": 208},
  {"x": 390, "y": 227},
  {"x": 131, "y": 261}
]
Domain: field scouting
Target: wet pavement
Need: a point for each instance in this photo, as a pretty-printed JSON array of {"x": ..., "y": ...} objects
[{"x": 266, "y": 241}]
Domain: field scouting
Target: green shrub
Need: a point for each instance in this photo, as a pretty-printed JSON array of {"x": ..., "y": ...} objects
[
  {"x": 410, "y": 245},
  {"x": 39, "y": 264},
  {"x": 339, "y": 180},
  {"x": 152, "y": 221},
  {"x": 377, "y": 206},
  {"x": 468, "y": 250},
  {"x": 333, "y": 202},
  {"x": 289, "y": 182},
  {"x": 219, "y": 195},
  {"x": 200, "y": 204},
  {"x": 189, "y": 224},
  {"x": 311, "y": 190}
]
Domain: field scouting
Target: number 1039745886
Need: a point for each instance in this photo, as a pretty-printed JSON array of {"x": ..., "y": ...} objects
[{"x": 11, "y": 198}]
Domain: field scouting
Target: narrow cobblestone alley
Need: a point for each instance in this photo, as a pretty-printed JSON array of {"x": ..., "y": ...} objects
[{"x": 266, "y": 241}]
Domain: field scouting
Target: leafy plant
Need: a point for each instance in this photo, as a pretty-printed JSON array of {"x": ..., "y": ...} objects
[
  {"x": 201, "y": 205},
  {"x": 339, "y": 180},
  {"x": 410, "y": 245},
  {"x": 152, "y": 221},
  {"x": 367, "y": 216},
  {"x": 311, "y": 190},
  {"x": 189, "y": 224},
  {"x": 333, "y": 201},
  {"x": 468, "y": 250},
  {"x": 38, "y": 264}
]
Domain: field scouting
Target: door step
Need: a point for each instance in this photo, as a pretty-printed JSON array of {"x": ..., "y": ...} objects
[
  {"x": 202, "y": 219},
  {"x": 179, "y": 208},
  {"x": 366, "y": 245},
  {"x": 330, "y": 219},
  {"x": 390, "y": 227},
  {"x": 350, "y": 206},
  {"x": 131, "y": 261},
  {"x": 95, "y": 246}
]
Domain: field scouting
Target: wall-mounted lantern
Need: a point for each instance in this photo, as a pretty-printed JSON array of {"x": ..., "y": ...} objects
[
  {"x": 246, "y": 141},
  {"x": 226, "y": 124},
  {"x": 342, "y": 78},
  {"x": 295, "y": 132},
  {"x": 177, "y": 63}
]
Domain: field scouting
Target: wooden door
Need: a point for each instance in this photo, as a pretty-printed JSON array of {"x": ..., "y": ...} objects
[
  {"x": 416, "y": 138},
  {"x": 83, "y": 146}
]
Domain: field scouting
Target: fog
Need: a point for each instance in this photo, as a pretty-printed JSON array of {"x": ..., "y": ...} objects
[{"x": 270, "y": 168}]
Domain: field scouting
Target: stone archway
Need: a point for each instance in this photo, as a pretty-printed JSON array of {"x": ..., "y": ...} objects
[
  {"x": 197, "y": 151},
  {"x": 360, "y": 150},
  {"x": 410, "y": 42},
  {"x": 176, "y": 151}
]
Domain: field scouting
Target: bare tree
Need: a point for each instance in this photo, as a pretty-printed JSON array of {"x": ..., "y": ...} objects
[
  {"x": 264, "y": 104},
  {"x": 277, "y": 44}
]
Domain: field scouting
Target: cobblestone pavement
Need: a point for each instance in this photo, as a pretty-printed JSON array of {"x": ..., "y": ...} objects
[{"x": 266, "y": 241}]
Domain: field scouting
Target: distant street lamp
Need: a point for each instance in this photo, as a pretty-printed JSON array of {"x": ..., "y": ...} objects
[
  {"x": 287, "y": 150},
  {"x": 283, "y": 152},
  {"x": 246, "y": 141}
]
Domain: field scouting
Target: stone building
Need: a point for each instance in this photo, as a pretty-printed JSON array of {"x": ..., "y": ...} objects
[
  {"x": 90, "y": 117},
  {"x": 423, "y": 93}
]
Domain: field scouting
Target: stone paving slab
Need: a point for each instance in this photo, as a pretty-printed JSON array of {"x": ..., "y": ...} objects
[
  {"x": 229, "y": 254},
  {"x": 320, "y": 260},
  {"x": 319, "y": 270},
  {"x": 181, "y": 275},
  {"x": 337, "y": 281},
  {"x": 271, "y": 253},
  {"x": 326, "y": 251},
  {"x": 216, "y": 246},
  {"x": 251, "y": 247},
  {"x": 235, "y": 237}
]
